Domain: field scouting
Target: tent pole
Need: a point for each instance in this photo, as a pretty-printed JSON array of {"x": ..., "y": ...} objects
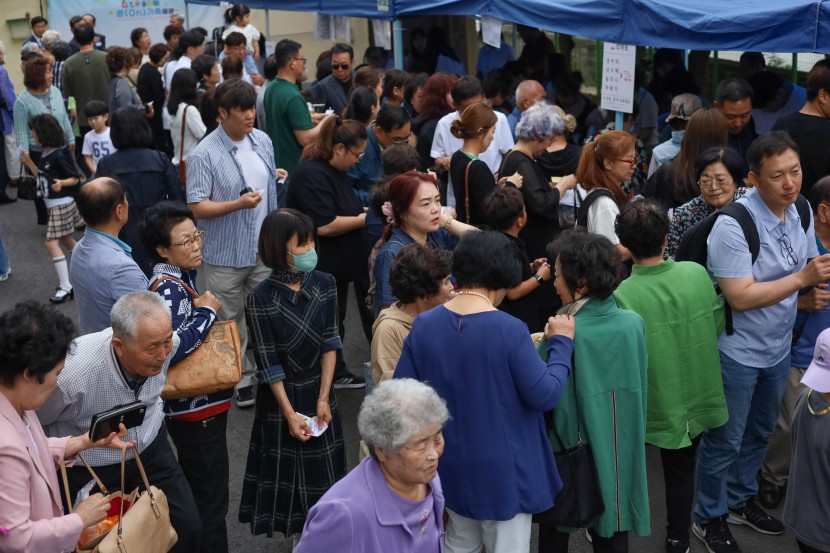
[
  {"x": 619, "y": 121},
  {"x": 187, "y": 12},
  {"x": 267, "y": 26},
  {"x": 556, "y": 42},
  {"x": 598, "y": 68},
  {"x": 716, "y": 69},
  {"x": 795, "y": 68},
  {"x": 686, "y": 59},
  {"x": 397, "y": 33}
]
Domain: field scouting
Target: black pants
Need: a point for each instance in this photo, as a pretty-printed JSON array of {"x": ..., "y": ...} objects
[
  {"x": 553, "y": 541},
  {"x": 202, "y": 449},
  {"x": 804, "y": 548},
  {"x": 4, "y": 172},
  {"x": 361, "y": 288},
  {"x": 679, "y": 476},
  {"x": 163, "y": 472}
]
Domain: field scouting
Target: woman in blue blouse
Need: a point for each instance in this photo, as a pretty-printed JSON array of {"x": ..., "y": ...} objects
[
  {"x": 413, "y": 213},
  {"x": 293, "y": 323},
  {"x": 498, "y": 466},
  {"x": 197, "y": 425}
]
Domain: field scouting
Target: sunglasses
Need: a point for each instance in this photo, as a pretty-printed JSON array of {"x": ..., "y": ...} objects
[{"x": 337, "y": 66}]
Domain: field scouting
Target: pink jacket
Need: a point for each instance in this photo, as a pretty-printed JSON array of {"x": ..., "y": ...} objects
[{"x": 30, "y": 506}]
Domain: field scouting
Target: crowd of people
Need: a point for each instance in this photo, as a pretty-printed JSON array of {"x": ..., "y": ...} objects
[{"x": 530, "y": 279}]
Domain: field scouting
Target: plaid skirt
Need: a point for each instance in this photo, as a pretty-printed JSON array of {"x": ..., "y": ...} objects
[
  {"x": 285, "y": 477},
  {"x": 63, "y": 220}
]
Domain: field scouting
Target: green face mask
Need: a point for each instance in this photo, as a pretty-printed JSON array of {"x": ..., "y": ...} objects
[{"x": 305, "y": 262}]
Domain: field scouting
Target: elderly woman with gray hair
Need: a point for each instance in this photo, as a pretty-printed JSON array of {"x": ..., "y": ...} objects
[
  {"x": 534, "y": 133},
  {"x": 392, "y": 501}
]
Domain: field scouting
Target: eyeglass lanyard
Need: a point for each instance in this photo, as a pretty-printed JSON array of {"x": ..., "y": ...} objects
[{"x": 810, "y": 407}]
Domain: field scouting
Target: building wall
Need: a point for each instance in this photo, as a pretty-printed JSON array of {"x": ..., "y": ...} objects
[{"x": 14, "y": 9}]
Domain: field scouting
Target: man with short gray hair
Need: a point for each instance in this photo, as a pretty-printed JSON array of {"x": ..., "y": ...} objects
[{"x": 116, "y": 366}]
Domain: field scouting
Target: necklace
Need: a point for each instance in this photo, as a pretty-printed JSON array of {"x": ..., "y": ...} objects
[
  {"x": 482, "y": 296},
  {"x": 810, "y": 407}
]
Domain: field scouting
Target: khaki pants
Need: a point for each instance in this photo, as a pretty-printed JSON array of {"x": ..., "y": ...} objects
[
  {"x": 231, "y": 286},
  {"x": 776, "y": 467}
]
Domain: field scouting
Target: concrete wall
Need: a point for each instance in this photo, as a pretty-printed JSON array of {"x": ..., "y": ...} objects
[{"x": 15, "y": 9}]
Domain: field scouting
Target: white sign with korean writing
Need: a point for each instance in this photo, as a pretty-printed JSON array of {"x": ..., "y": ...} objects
[{"x": 617, "y": 91}]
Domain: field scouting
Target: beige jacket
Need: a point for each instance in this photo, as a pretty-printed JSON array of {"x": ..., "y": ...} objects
[{"x": 391, "y": 327}]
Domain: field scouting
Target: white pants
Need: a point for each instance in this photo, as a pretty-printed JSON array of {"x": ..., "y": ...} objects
[
  {"x": 465, "y": 535},
  {"x": 12, "y": 160},
  {"x": 231, "y": 286}
]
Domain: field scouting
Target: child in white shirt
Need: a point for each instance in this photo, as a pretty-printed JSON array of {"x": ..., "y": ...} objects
[
  {"x": 238, "y": 20},
  {"x": 97, "y": 143}
]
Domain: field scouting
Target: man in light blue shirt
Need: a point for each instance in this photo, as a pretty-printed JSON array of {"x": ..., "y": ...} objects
[
  {"x": 755, "y": 359},
  {"x": 102, "y": 268},
  {"x": 231, "y": 187}
]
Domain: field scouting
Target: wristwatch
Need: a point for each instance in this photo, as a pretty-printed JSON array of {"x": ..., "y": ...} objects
[{"x": 539, "y": 279}]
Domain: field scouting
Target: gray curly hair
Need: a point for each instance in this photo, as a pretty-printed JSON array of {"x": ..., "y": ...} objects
[
  {"x": 396, "y": 411},
  {"x": 539, "y": 122}
]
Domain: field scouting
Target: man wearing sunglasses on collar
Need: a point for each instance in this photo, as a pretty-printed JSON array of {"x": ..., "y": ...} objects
[
  {"x": 333, "y": 91},
  {"x": 391, "y": 126}
]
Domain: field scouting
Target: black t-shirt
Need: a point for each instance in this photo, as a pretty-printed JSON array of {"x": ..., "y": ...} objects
[
  {"x": 541, "y": 203},
  {"x": 323, "y": 193},
  {"x": 57, "y": 164},
  {"x": 561, "y": 162},
  {"x": 480, "y": 183},
  {"x": 525, "y": 308},
  {"x": 812, "y": 134}
]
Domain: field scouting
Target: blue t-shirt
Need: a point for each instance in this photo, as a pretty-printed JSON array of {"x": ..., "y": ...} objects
[{"x": 761, "y": 337}]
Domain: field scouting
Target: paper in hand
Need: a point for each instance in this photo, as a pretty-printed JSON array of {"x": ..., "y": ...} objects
[{"x": 317, "y": 426}]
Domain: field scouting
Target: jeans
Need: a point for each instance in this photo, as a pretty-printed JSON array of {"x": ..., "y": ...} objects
[
  {"x": 163, "y": 472},
  {"x": 730, "y": 456},
  {"x": 4, "y": 258},
  {"x": 679, "y": 476},
  {"x": 202, "y": 449}
]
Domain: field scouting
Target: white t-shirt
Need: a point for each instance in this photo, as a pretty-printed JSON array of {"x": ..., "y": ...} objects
[
  {"x": 444, "y": 144},
  {"x": 193, "y": 132},
  {"x": 98, "y": 145},
  {"x": 251, "y": 34},
  {"x": 601, "y": 217},
  {"x": 256, "y": 177}
]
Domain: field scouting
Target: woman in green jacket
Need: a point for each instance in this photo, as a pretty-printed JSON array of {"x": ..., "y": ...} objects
[
  {"x": 605, "y": 401},
  {"x": 683, "y": 317}
]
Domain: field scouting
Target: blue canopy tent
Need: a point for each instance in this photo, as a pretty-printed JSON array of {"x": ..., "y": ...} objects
[{"x": 758, "y": 25}]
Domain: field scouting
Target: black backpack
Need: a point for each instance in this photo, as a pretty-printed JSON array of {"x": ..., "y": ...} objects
[
  {"x": 584, "y": 205},
  {"x": 693, "y": 245}
]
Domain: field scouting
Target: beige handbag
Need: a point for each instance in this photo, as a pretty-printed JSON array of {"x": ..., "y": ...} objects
[
  {"x": 91, "y": 537},
  {"x": 146, "y": 527},
  {"x": 214, "y": 366}
]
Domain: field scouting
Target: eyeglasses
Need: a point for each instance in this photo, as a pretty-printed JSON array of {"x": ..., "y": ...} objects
[
  {"x": 711, "y": 184},
  {"x": 190, "y": 242},
  {"x": 398, "y": 139},
  {"x": 632, "y": 161},
  {"x": 358, "y": 156},
  {"x": 339, "y": 66},
  {"x": 304, "y": 60},
  {"x": 787, "y": 249}
]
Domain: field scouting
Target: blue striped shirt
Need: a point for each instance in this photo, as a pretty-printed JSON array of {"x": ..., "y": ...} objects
[{"x": 214, "y": 173}]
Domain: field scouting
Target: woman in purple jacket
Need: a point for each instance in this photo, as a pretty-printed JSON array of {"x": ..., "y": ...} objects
[{"x": 392, "y": 501}]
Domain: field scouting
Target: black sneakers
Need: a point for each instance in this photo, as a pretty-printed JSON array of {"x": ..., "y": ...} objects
[
  {"x": 716, "y": 536},
  {"x": 676, "y": 546},
  {"x": 756, "y": 518}
]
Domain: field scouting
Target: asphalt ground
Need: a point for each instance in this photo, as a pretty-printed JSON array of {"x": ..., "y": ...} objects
[{"x": 33, "y": 277}]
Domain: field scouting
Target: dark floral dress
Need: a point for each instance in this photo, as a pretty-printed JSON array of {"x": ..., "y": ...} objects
[{"x": 688, "y": 215}]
